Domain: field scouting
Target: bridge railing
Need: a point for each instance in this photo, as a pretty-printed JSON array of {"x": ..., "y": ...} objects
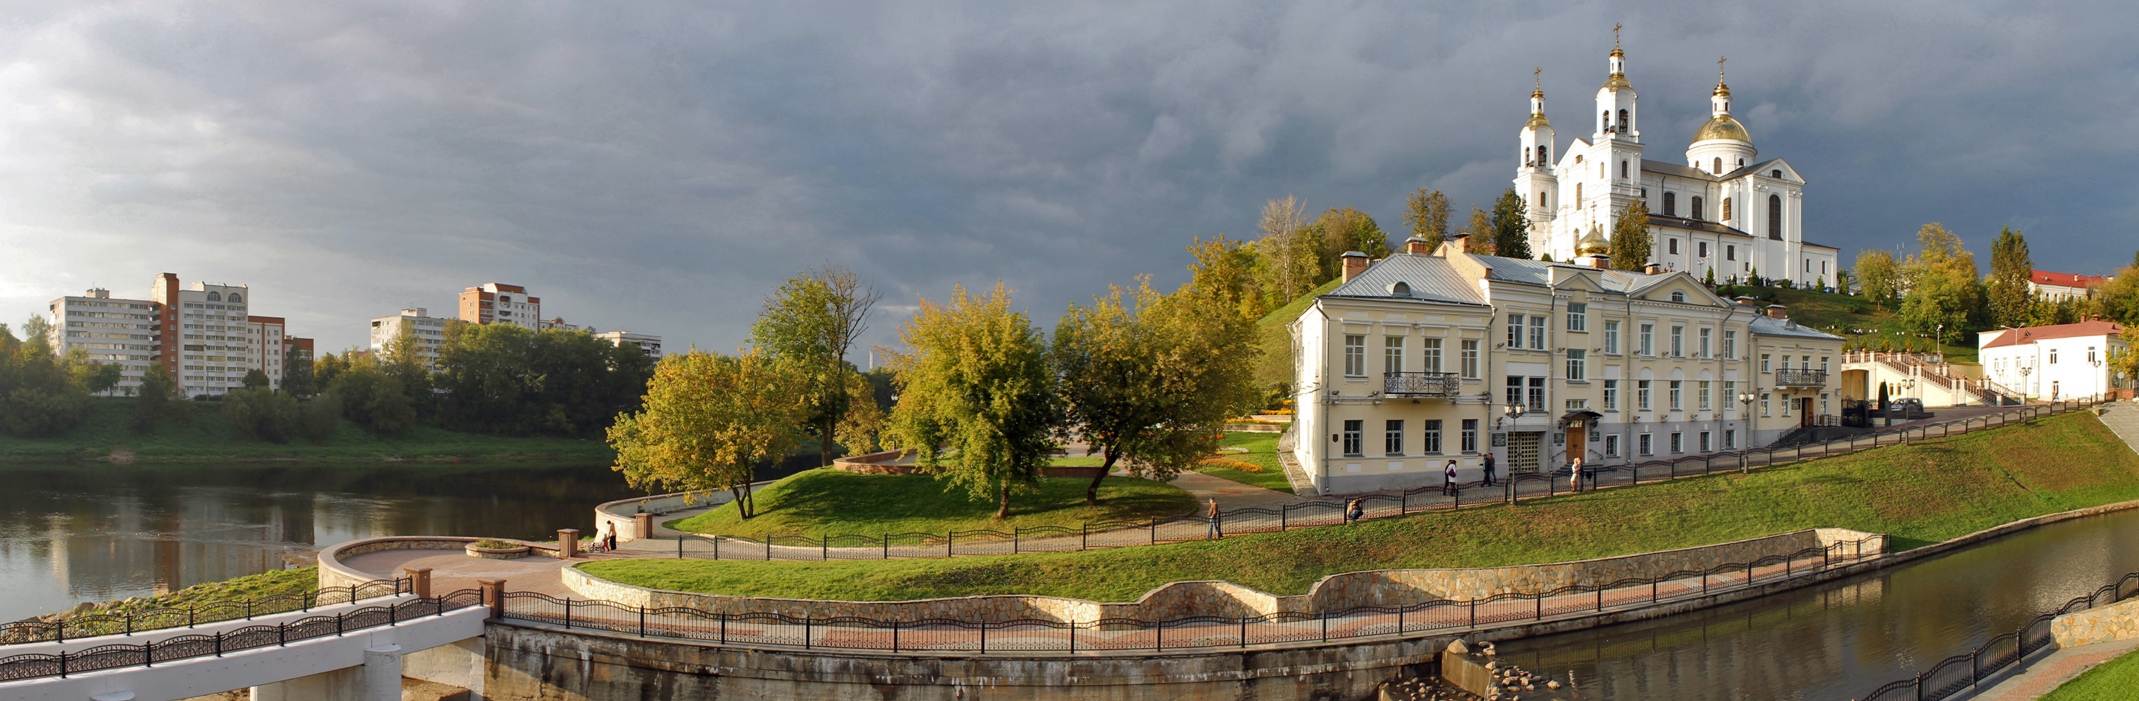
[
  {"x": 130, "y": 621},
  {"x": 759, "y": 629},
  {"x": 1949, "y": 677},
  {"x": 222, "y": 642}
]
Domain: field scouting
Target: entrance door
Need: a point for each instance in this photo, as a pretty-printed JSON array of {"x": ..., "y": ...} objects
[
  {"x": 1577, "y": 443},
  {"x": 1524, "y": 450},
  {"x": 1804, "y": 411}
]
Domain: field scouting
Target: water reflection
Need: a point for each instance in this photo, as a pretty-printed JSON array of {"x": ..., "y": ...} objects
[
  {"x": 1843, "y": 638},
  {"x": 72, "y": 533}
]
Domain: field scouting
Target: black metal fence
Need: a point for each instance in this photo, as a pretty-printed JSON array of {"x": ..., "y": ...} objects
[
  {"x": 149, "y": 654},
  {"x": 128, "y": 622},
  {"x": 943, "y": 634},
  {"x": 1321, "y": 512},
  {"x": 1951, "y": 676}
]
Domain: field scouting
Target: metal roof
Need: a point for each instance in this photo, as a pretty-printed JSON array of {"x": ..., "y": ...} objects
[
  {"x": 1430, "y": 278},
  {"x": 1770, "y": 326}
]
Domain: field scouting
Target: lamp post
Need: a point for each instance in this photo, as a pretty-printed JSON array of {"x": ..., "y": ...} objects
[{"x": 1746, "y": 417}]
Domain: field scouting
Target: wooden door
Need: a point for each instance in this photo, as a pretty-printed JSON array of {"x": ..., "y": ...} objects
[
  {"x": 1577, "y": 443},
  {"x": 1804, "y": 411}
]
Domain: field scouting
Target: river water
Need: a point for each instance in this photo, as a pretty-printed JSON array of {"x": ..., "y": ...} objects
[
  {"x": 1845, "y": 638},
  {"x": 95, "y": 532}
]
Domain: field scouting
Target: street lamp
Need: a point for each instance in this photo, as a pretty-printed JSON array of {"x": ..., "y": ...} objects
[{"x": 1746, "y": 419}]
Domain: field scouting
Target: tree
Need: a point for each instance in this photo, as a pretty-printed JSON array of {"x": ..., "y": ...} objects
[
  {"x": 1426, "y": 212},
  {"x": 1150, "y": 380},
  {"x": 374, "y": 399},
  {"x": 327, "y": 368},
  {"x": 975, "y": 385},
  {"x": 1480, "y": 230},
  {"x": 506, "y": 380},
  {"x": 255, "y": 413},
  {"x": 1879, "y": 276},
  {"x": 2010, "y": 266},
  {"x": 40, "y": 395},
  {"x": 407, "y": 361},
  {"x": 1345, "y": 229},
  {"x": 1290, "y": 254},
  {"x": 1511, "y": 226},
  {"x": 2118, "y": 299},
  {"x": 1225, "y": 268},
  {"x": 321, "y": 418},
  {"x": 811, "y": 323},
  {"x": 154, "y": 402},
  {"x": 1631, "y": 241},
  {"x": 297, "y": 372},
  {"x": 255, "y": 379},
  {"x": 707, "y": 421},
  {"x": 1945, "y": 295}
]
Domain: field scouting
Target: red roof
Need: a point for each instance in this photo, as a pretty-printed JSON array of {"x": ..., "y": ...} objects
[
  {"x": 2045, "y": 277},
  {"x": 2031, "y": 334}
]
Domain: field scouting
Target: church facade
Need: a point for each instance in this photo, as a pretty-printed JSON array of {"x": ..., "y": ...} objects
[{"x": 1721, "y": 208}]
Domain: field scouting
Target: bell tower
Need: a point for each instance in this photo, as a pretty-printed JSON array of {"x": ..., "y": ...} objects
[{"x": 1534, "y": 176}]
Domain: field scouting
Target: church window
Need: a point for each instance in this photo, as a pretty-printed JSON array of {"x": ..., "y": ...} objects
[
  {"x": 1622, "y": 170},
  {"x": 1775, "y": 217},
  {"x": 1624, "y": 122},
  {"x": 1671, "y": 204},
  {"x": 1543, "y": 155},
  {"x": 1730, "y": 252},
  {"x": 1703, "y": 248},
  {"x": 1674, "y": 245},
  {"x": 1696, "y": 213},
  {"x": 1578, "y": 194},
  {"x": 1741, "y": 163},
  {"x": 1776, "y": 174},
  {"x": 1726, "y": 209},
  {"x": 1718, "y": 167}
]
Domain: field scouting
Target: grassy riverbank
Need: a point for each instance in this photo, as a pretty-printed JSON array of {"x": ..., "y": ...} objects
[
  {"x": 201, "y": 433},
  {"x": 237, "y": 589},
  {"x": 831, "y": 502},
  {"x": 1919, "y": 493}
]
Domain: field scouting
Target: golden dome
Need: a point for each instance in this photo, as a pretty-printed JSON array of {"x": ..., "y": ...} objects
[
  {"x": 1723, "y": 126},
  {"x": 1593, "y": 244},
  {"x": 1537, "y": 121},
  {"x": 1618, "y": 81}
]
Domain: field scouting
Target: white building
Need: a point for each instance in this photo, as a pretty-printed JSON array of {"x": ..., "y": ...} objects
[
  {"x": 264, "y": 347},
  {"x": 1724, "y": 210},
  {"x": 646, "y": 342},
  {"x": 109, "y": 330},
  {"x": 428, "y": 331},
  {"x": 499, "y": 303},
  {"x": 2065, "y": 361},
  {"x": 1420, "y": 358},
  {"x": 2058, "y": 287},
  {"x": 204, "y": 334}
]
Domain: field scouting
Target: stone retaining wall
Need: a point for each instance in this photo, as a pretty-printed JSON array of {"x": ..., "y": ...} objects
[
  {"x": 332, "y": 573},
  {"x": 2098, "y": 625},
  {"x": 1216, "y": 598}
]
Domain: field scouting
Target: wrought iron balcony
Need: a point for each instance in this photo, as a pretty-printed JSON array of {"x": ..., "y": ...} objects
[
  {"x": 1421, "y": 384},
  {"x": 1800, "y": 378}
]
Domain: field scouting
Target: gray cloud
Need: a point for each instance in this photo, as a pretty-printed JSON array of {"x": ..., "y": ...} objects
[{"x": 660, "y": 167}]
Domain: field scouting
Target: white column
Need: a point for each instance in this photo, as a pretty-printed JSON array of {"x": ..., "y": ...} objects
[{"x": 382, "y": 673}]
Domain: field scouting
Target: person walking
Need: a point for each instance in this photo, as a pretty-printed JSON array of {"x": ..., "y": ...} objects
[
  {"x": 1215, "y": 532},
  {"x": 1574, "y": 474},
  {"x": 1352, "y": 512},
  {"x": 609, "y": 537},
  {"x": 1489, "y": 469},
  {"x": 1448, "y": 479}
]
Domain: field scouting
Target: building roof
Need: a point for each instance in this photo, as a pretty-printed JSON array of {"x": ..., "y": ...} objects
[
  {"x": 1538, "y": 272},
  {"x": 1430, "y": 279},
  {"x": 2045, "y": 277},
  {"x": 1771, "y": 326},
  {"x": 1695, "y": 224},
  {"x": 2031, "y": 334}
]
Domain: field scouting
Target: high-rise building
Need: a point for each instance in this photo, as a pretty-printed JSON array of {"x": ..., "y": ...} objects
[
  {"x": 204, "y": 334},
  {"x": 429, "y": 332},
  {"x": 499, "y": 303},
  {"x": 264, "y": 346},
  {"x": 646, "y": 342},
  {"x": 109, "y": 330}
]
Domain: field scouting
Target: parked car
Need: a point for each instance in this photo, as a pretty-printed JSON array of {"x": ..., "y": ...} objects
[{"x": 1906, "y": 406}]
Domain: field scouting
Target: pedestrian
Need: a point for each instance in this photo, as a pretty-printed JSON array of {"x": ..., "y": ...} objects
[
  {"x": 1214, "y": 533},
  {"x": 1448, "y": 479},
  {"x": 1352, "y": 512},
  {"x": 1574, "y": 475},
  {"x": 1489, "y": 469},
  {"x": 609, "y": 538}
]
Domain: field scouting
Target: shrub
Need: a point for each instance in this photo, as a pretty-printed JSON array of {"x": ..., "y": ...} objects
[
  {"x": 258, "y": 414},
  {"x": 495, "y": 544},
  {"x": 33, "y": 413},
  {"x": 321, "y": 418},
  {"x": 1232, "y": 464}
]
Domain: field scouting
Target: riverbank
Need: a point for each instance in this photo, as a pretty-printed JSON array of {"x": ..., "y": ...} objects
[
  {"x": 199, "y": 432},
  {"x": 1920, "y": 493}
]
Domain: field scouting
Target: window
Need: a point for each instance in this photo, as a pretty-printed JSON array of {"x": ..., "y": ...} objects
[
  {"x": 235, "y": 298},
  {"x": 1648, "y": 339},
  {"x": 1578, "y": 188},
  {"x": 1730, "y": 439},
  {"x": 1776, "y": 174},
  {"x": 1704, "y": 402},
  {"x": 1537, "y": 332},
  {"x": 1704, "y": 441},
  {"x": 2053, "y": 389},
  {"x": 1823, "y": 403},
  {"x": 1611, "y": 337},
  {"x": 1679, "y": 297},
  {"x": 1537, "y": 394},
  {"x": 1730, "y": 251},
  {"x": 1648, "y": 444},
  {"x": 1764, "y": 403},
  {"x": 2053, "y": 356},
  {"x": 1352, "y": 429},
  {"x": 1515, "y": 389},
  {"x": 1470, "y": 435},
  {"x": 1730, "y": 344},
  {"x": 1611, "y": 395},
  {"x": 1676, "y": 390},
  {"x": 1730, "y": 392},
  {"x": 1641, "y": 395},
  {"x": 1673, "y": 244},
  {"x": 1823, "y": 362},
  {"x": 1392, "y": 353},
  {"x": 1392, "y": 437},
  {"x": 215, "y": 297},
  {"x": 1726, "y": 209},
  {"x": 1696, "y": 213},
  {"x": 1577, "y": 365},
  {"x": 1764, "y": 363},
  {"x": 1611, "y": 445},
  {"x": 1470, "y": 359},
  {"x": 1433, "y": 437},
  {"x": 1671, "y": 204},
  {"x": 2090, "y": 358},
  {"x": 1703, "y": 248},
  {"x": 1515, "y": 331},
  {"x": 1678, "y": 442},
  {"x": 1775, "y": 215},
  {"x": 1786, "y": 406},
  {"x": 1718, "y": 168},
  {"x": 1678, "y": 341},
  {"x": 1433, "y": 354},
  {"x": 1705, "y": 335},
  {"x": 1622, "y": 164},
  {"x": 1577, "y": 404},
  {"x": 1577, "y": 316},
  {"x": 1355, "y": 356}
]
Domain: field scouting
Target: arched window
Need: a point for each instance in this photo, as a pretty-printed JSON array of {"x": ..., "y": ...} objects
[
  {"x": 1578, "y": 194},
  {"x": 235, "y": 298},
  {"x": 1399, "y": 289},
  {"x": 1775, "y": 217},
  {"x": 1671, "y": 204},
  {"x": 1696, "y": 213},
  {"x": 215, "y": 296},
  {"x": 504, "y": 299},
  {"x": 1741, "y": 163},
  {"x": 1726, "y": 209},
  {"x": 1541, "y": 199},
  {"x": 1623, "y": 121},
  {"x": 1607, "y": 117},
  {"x": 1776, "y": 174},
  {"x": 1544, "y": 155},
  {"x": 1622, "y": 170},
  {"x": 1718, "y": 167},
  {"x": 1677, "y": 296}
]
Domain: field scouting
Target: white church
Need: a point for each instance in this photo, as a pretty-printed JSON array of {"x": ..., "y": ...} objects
[{"x": 1722, "y": 208}]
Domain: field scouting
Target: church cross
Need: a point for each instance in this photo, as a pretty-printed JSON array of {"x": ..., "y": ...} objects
[{"x": 1719, "y": 68}]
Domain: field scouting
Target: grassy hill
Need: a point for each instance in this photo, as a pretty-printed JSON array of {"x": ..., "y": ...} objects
[
  {"x": 1275, "y": 367},
  {"x": 202, "y": 434},
  {"x": 831, "y": 502},
  {"x": 1853, "y": 318}
]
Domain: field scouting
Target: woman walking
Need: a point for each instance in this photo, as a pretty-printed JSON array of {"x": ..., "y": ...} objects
[
  {"x": 1448, "y": 479},
  {"x": 1574, "y": 475}
]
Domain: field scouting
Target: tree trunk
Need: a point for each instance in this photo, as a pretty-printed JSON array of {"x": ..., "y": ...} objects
[
  {"x": 1091, "y": 493},
  {"x": 824, "y": 440},
  {"x": 1002, "y": 502},
  {"x": 745, "y": 506}
]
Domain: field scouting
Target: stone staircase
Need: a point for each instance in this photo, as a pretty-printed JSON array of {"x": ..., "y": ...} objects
[{"x": 2123, "y": 418}]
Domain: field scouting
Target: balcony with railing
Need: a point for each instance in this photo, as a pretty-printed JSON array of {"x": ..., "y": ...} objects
[
  {"x": 1786, "y": 377},
  {"x": 1434, "y": 385}
]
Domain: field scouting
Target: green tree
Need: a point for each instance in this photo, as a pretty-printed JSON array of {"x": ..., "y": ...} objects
[
  {"x": 39, "y": 394},
  {"x": 811, "y": 323},
  {"x": 255, "y": 379},
  {"x": 1151, "y": 379},
  {"x": 1426, "y": 212},
  {"x": 1632, "y": 244},
  {"x": 408, "y": 362},
  {"x": 1480, "y": 230},
  {"x": 2011, "y": 302},
  {"x": 1226, "y": 268},
  {"x": 374, "y": 399},
  {"x": 975, "y": 384},
  {"x": 297, "y": 372},
  {"x": 506, "y": 380},
  {"x": 321, "y": 418},
  {"x": 2118, "y": 299},
  {"x": 255, "y": 413},
  {"x": 154, "y": 404},
  {"x": 1878, "y": 276},
  {"x": 1945, "y": 295},
  {"x": 1511, "y": 226},
  {"x": 327, "y": 368},
  {"x": 1346, "y": 229},
  {"x": 708, "y": 421}
]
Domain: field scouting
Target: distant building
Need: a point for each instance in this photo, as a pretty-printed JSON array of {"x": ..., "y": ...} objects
[
  {"x": 109, "y": 330},
  {"x": 560, "y": 325},
  {"x": 499, "y": 303},
  {"x": 2053, "y": 362},
  {"x": 204, "y": 334},
  {"x": 297, "y": 352},
  {"x": 2058, "y": 287},
  {"x": 263, "y": 346},
  {"x": 646, "y": 342},
  {"x": 428, "y": 331}
]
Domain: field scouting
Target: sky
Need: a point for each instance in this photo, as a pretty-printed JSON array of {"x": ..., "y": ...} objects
[{"x": 661, "y": 166}]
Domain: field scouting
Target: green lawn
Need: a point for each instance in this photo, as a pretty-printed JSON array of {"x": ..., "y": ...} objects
[
  {"x": 1919, "y": 493},
  {"x": 1262, "y": 452},
  {"x": 830, "y": 502},
  {"x": 2114, "y": 680},
  {"x": 202, "y": 434},
  {"x": 1853, "y": 318}
]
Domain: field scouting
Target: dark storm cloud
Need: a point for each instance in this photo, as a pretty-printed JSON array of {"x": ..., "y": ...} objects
[{"x": 660, "y": 167}]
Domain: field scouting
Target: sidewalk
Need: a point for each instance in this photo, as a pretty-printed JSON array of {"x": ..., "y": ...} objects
[{"x": 2046, "y": 674}]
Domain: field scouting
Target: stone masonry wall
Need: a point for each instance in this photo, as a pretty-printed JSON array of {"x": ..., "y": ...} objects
[{"x": 2098, "y": 625}]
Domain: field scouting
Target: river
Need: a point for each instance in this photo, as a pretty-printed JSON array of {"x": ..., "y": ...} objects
[
  {"x": 97, "y": 532},
  {"x": 1842, "y": 639}
]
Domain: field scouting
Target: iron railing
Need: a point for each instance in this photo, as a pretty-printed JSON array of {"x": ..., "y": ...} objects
[
  {"x": 1785, "y": 377},
  {"x": 129, "y": 622},
  {"x": 1439, "y": 385},
  {"x": 149, "y": 654},
  {"x": 1951, "y": 676},
  {"x": 762, "y": 629}
]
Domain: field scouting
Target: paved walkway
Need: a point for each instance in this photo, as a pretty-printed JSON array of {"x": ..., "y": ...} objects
[
  {"x": 2123, "y": 419},
  {"x": 2053, "y": 670}
]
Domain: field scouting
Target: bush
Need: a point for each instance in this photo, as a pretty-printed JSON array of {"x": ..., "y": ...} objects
[
  {"x": 374, "y": 400},
  {"x": 322, "y": 418},
  {"x": 33, "y": 413},
  {"x": 259, "y": 414}
]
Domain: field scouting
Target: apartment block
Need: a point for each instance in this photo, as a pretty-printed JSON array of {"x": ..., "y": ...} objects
[
  {"x": 499, "y": 303},
  {"x": 109, "y": 330},
  {"x": 428, "y": 331},
  {"x": 204, "y": 331},
  {"x": 649, "y": 343},
  {"x": 264, "y": 347}
]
